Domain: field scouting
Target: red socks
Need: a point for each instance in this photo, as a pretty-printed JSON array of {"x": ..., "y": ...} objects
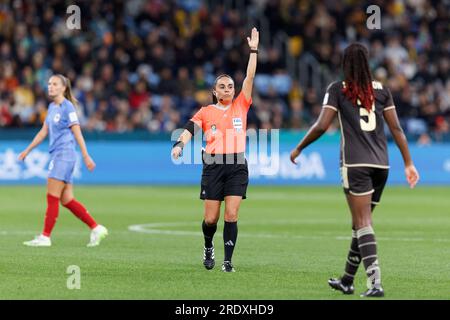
[
  {"x": 51, "y": 214},
  {"x": 80, "y": 211}
]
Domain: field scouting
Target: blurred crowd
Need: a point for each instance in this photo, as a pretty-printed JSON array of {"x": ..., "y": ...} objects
[{"x": 150, "y": 64}]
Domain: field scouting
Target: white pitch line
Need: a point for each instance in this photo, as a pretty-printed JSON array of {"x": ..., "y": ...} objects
[
  {"x": 58, "y": 233},
  {"x": 152, "y": 228}
]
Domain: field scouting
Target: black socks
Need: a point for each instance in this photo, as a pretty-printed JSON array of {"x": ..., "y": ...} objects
[
  {"x": 230, "y": 232},
  {"x": 208, "y": 233}
]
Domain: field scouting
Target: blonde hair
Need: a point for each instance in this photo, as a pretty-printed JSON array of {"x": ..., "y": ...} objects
[{"x": 68, "y": 92}]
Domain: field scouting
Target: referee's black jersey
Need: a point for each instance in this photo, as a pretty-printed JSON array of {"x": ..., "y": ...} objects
[{"x": 363, "y": 142}]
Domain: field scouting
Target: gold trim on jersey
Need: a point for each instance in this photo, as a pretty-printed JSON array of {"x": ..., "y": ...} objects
[
  {"x": 343, "y": 138},
  {"x": 330, "y": 107},
  {"x": 344, "y": 174},
  {"x": 354, "y": 165},
  {"x": 377, "y": 85},
  {"x": 361, "y": 194}
]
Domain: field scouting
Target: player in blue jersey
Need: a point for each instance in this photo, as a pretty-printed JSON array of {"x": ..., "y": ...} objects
[{"x": 63, "y": 128}]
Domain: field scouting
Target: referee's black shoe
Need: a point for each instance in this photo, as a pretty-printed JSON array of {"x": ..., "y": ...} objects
[
  {"x": 373, "y": 293},
  {"x": 227, "y": 267},
  {"x": 336, "y": 284},
  {"x": 208, "y": 258}
]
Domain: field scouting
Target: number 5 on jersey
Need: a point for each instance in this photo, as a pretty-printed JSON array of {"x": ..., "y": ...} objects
[{"x": 371, "y": 122}]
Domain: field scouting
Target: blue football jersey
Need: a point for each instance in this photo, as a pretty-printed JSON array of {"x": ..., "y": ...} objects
[{"x": 59, "y": 120}]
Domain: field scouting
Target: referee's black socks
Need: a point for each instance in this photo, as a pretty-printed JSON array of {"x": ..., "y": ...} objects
[
  {"x": 208, "y": 233},
  {"x": 230, "y": 232}
]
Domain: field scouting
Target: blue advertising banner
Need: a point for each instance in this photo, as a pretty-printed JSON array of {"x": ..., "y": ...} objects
[{"x": 150, "y": 163}]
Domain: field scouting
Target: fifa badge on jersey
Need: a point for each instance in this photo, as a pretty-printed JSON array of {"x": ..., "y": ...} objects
[
  {"x": 73, "y": 117},
  {"x": 237, "y": 124},
  {"x": 57, "y": 117},
  {"x": 213, "y": 129}
]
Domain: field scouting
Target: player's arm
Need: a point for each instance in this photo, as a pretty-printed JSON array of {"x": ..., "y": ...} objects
[
  {"x": 390, "y": 115},
  {"x": 38, "y": 138},
  {"x": 247, "y": 85},
  {"x": 177, "y": 148},
  {"x": 326, "y": 117},
  {"x": 189, "y": 130},
  {"x": 76, "y": 130}
]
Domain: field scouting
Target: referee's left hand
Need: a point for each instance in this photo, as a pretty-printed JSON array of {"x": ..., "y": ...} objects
[{"x": 294, "y": 154}]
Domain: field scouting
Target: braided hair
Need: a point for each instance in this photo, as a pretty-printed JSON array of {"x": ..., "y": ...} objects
[{"x": 358, "y": 79}]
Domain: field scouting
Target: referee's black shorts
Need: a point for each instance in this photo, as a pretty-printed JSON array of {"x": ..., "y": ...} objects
[
  {"x": 359, "y": 181},
  {"x": 224, "y": 175}
]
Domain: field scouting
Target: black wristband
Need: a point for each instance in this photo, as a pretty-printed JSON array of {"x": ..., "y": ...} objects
[
  {"x": 190, "y": 126},
  {"x": 178, "y": 144},
  {"x": 254, "y": 51}
]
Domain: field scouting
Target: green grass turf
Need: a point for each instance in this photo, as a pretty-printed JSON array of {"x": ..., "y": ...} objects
[{"x": 291, "y": 240}]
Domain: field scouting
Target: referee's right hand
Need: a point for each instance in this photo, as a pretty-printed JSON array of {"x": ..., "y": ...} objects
[{"x": 176, "y": 152}]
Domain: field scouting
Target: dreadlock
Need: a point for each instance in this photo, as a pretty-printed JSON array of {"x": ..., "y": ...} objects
[{"x": 358, "y": 79}]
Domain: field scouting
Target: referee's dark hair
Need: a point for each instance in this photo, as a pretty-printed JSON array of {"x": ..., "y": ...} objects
[
  {"x": 215, "y": 83},
  {"x": 357, "y": 76}
]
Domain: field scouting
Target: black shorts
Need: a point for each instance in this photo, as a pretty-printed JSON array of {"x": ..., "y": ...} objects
[
  {"x": 359, "y": 181},
  {"x": 221, "y": 179}
]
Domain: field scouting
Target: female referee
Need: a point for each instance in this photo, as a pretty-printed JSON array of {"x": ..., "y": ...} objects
[
  {"x": 225, "y": 172},
  {"x": 63, "y": 126},
  {"x": 362, "y": 106}
]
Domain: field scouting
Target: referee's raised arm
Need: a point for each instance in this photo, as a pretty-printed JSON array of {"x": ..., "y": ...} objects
[{"x": 253, "y": 42}]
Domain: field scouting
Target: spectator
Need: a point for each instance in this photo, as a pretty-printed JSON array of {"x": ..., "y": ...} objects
[{"x": 148, "y": 65}]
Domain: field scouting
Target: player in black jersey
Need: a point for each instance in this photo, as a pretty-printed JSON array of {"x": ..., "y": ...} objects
[{"x": 362, "y": 105}]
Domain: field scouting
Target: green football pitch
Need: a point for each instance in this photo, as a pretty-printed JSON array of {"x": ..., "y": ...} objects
[{"x": 291, "y": 240}]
